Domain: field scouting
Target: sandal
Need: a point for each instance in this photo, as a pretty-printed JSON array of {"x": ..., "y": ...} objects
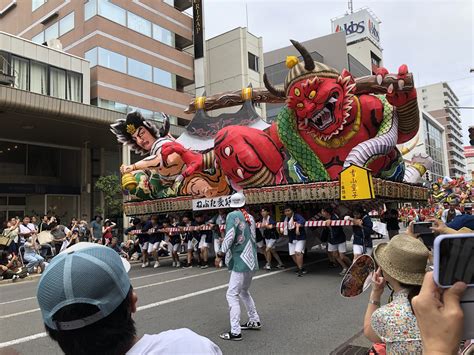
[{"x": 230, "y": 336}]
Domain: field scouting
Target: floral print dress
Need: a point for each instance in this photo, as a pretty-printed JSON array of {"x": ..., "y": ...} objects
[{"x": 396, "y": 325}]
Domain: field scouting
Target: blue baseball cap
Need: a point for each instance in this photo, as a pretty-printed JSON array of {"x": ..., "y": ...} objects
[{"x": 84, "y": 273}]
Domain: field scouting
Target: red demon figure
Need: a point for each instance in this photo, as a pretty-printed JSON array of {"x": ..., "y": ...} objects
[{"x": 323, "y": 128}]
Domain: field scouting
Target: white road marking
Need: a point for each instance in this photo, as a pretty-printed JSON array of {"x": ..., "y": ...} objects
[
  {"x": 156, "y": 274},
  {"x": 20, "y": 300},
  {"x": 22, "y": 340},
  {"x": 19, "y": 313},
  {"x": 207, "y": 290},
  {"x": 135, "y": 288},
  {"x": 178, "y": 279},
  {"x": 151, "y": 305}
]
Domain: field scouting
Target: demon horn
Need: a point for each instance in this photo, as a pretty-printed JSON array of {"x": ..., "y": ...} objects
[
  {"x": 165, "y": 128},
  {"x": 275, "y": 91},
  {"x": 308, "y": 60}
]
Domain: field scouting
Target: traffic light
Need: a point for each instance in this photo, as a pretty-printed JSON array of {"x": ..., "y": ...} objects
[{"x": 471, "y": 136}]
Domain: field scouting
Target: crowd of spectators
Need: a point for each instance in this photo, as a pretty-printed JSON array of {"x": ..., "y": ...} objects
[{"x": 27, "y": 244}]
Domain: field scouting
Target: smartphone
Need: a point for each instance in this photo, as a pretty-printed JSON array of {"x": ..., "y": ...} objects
[
  {"x": 428, "y": 239},
  {"x": 422, "y": 227},
  {"x": 454, "y": 261}
]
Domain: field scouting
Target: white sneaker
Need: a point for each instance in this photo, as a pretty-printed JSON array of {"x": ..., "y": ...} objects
[
  {"x": 174, "y": 264},
  {"x": 157, "y": 264},
  {"x": 146, "y": 264},
  {"x": 343, "y": 272},
  {"x": 178, "y": 264},
  {"x": 221, "y": 264},
  {"x": 267, "y": 267}
]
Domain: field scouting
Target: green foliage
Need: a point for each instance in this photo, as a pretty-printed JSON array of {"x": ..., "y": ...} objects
[{"x": 110, "y": 187}]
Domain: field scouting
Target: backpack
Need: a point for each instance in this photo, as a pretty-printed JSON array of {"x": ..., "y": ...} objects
[{"x": 6, "y": 238}]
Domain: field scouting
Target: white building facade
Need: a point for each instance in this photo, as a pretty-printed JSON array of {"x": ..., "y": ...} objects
[{"x": 441, "y": 102}]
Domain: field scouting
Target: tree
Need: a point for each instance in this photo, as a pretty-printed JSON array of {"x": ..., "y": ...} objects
[{"x": 111, "y": 189}]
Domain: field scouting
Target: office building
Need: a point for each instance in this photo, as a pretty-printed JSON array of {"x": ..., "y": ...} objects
[
  {"x": 134, "y": 60},
  {"x": 53, "y": 145},
  {"x": 233, "y": 60},
  {"x": 441, "y": 102},
  {"x": 431, "y": 141},
  {"x": 134, "y": 48}
]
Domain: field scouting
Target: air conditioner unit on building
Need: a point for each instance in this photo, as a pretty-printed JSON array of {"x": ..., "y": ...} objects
[{"x": 55, "y": 44}]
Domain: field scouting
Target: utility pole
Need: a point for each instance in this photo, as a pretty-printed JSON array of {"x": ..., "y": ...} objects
[{"x": 350, "y": 5}]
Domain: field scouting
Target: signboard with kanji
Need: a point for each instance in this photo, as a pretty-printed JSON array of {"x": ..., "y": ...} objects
[
  {"x": 211, "y": 203},
  {"x": 356, "y": 184}
]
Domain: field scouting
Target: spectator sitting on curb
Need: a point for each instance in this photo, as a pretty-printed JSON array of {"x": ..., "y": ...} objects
[
  {"x": 93, "y": 315},
  {"x": 114, "y": 245},
  {"x": 8, "y": 268}
]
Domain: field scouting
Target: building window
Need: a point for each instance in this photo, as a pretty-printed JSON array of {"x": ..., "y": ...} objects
[
  {"x": 90, "y": 9},
  {"x": 163, "y": 35},
  {"x": 39, "y": 78},
  {"x": 66, "y": 24},
  {"x": 51, "y": 32},
  {"x": 253, "y": 61},
  {"x": 112, "y": 60},
  {"x": 138, "y": 24},
  {"x": 57, "y": 81},
  {"x": 39, "y": 38},
  {"x": 74, "y": 87},
  {"x": 115, "y": 61},
  {"x": 163, "y": 78},
  {"x": 20, "y": 70},
  {"x": 139, "y": 69},
  {"x": 112, "y": 12},
  {"x": 37, "y": 3},
  {"x": 56, "y": 30},
  {"x": 91, "y": 56}
]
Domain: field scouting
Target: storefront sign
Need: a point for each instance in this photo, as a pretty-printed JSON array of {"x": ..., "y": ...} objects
[
  {"x": 198, "y": 29},
  {"x": 211, "y": 203},
  {"x": 356, "y": 184}
]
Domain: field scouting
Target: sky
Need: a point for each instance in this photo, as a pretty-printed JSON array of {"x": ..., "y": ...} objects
[{"x": 435, "y": 38}]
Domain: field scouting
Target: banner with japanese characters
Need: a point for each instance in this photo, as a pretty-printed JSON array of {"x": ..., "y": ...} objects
[{"x": 211, "y": 203}]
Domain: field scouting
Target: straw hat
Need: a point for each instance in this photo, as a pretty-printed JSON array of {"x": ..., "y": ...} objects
[{"x": 403, "y": 258}]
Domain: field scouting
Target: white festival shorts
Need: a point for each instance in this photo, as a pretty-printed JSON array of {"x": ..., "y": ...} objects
[
  {"x": 341, "y": 247},
  {"x": 297, "y": 247}
]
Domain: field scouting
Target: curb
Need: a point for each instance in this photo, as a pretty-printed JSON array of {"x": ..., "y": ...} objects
[{"x": 28, "y": 278}]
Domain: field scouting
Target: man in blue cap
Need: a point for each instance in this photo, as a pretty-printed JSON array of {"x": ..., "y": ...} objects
[{"x": 87, "y": 302}]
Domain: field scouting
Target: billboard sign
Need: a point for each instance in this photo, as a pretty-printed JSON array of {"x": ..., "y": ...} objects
[{"x": 358, "y": 25}]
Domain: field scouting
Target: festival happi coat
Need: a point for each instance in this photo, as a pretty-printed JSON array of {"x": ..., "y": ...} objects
[{"x": 330, "y": 121}]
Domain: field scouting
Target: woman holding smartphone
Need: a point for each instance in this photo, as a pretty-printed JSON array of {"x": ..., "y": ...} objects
[{"x": 402, "y": 264}]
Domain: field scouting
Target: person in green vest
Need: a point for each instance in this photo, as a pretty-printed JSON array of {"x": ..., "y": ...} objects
[{"x": 240, "y": 251}]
